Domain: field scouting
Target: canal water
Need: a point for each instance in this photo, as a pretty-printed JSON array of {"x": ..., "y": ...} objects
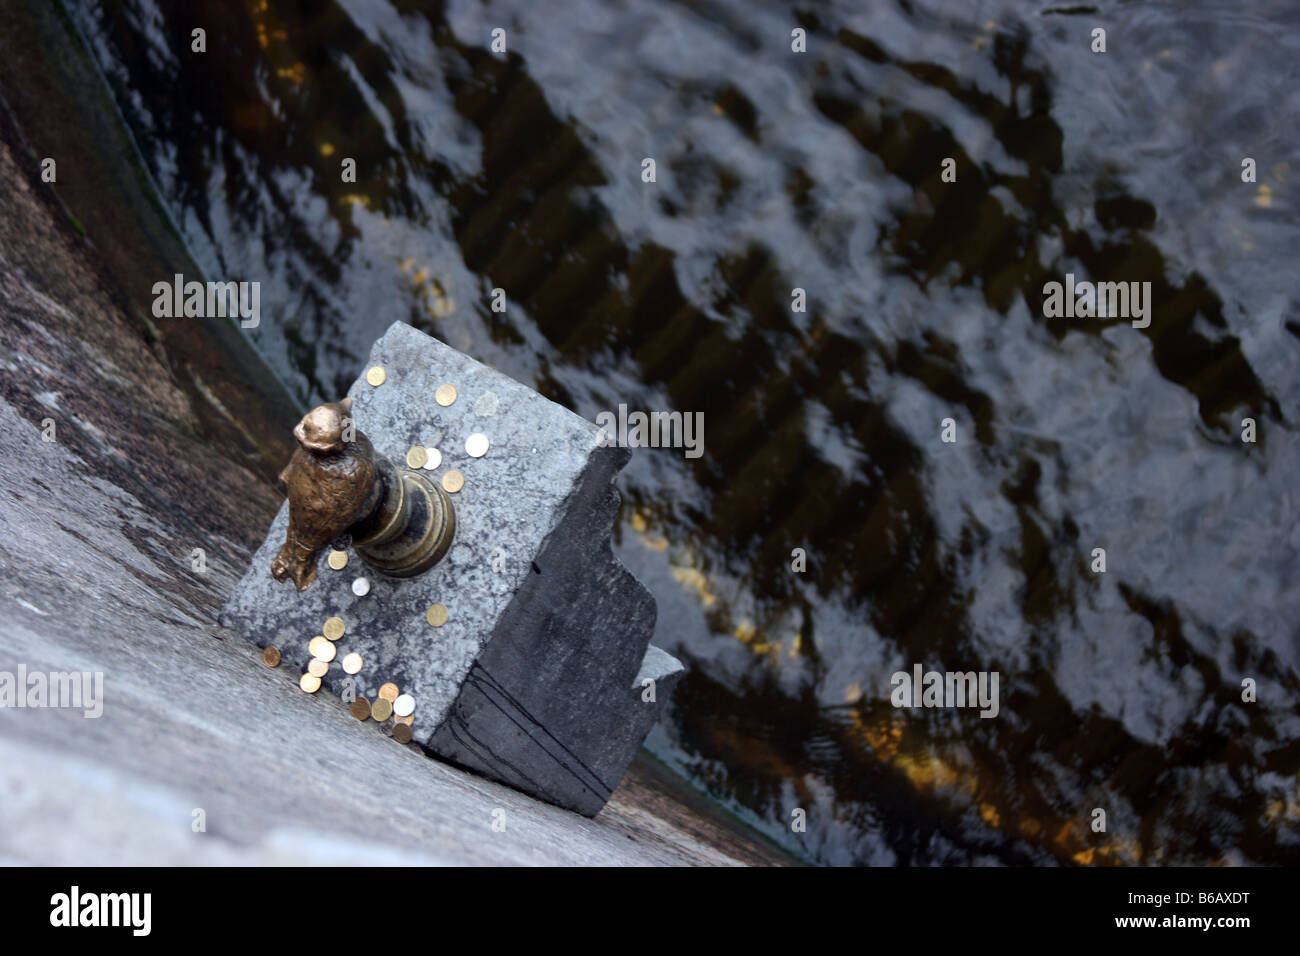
[{"x": 828, "y": 536}]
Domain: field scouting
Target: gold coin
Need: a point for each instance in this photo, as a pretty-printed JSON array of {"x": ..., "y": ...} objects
[
  {"x": 315, "y": 643},
  {"x": 338, "y": 560},
  {"x": 402, "y": 734},
  {"x": 376, "y": 376},
  {"x": 352, "y": 664},
  {"x": 416, "y": 457},
  {"x": 271, "y": 656},
  {"x": 325, "y": 651},
  {"x": 388, "y": 692},
  {"x": 436, "y": 615},
  {"x": 408, "y": 720},
  {"x": 309, "y": 683},
  {"x": 317, "y": 668},
  {"x": 445, "y": 395},
  {"x": 453, "y": 481},
  {"x": 360, "y": 708},
  {"x": 333, "y": 628},
  {"x": 381, "y": 710}
]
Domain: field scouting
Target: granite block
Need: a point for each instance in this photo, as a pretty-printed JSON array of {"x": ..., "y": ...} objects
[{"x": 533, "y": 680}]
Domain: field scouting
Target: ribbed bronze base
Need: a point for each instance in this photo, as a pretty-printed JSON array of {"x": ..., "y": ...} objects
[{"x": 411, "y": 529}]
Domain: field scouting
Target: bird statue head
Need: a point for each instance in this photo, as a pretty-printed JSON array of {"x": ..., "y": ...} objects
[{"x": 321, "y": 430}]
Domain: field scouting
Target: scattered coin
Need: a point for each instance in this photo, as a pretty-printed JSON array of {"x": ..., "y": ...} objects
[
  {"x": 271, "y": 656},
  {"x": 416, "y": 456},
  {"x": 338, "y": 560},
  {"x": 333, "y": 628},
  {"x": 309, "y": 683},
  {"x": 436, "y": 615},
  {"x": 408, "y": 720},
  {"x": 381, "y": 710},
  {"x": 388, "y": 692},
  {"x": 453, "y": 481},
  {"x": 404, "y": 706},
  {"x": 476, "y": 445},
  {"x": 376, "y": 376},
  {"x": 317, "y": 668},
  {"x": 445, "y": 395},
  {"x": 352, "y": 664},
  {"x": 360, "y": 708},
  {"x": 402, "y": 734},
  {"x": 433, "y": 459},
  {"x": 361, "y": 587},
  {"x": 325, "y": 651},
  {"x": 315, "y": 643}
]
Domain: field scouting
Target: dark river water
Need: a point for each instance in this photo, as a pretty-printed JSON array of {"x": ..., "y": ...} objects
[{"x": 821, "y": 170}]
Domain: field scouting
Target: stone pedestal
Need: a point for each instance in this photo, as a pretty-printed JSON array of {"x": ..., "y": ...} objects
[{"x": 539, "y": 677}]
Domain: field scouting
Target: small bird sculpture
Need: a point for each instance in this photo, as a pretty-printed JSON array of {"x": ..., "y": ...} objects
[{"x": 331, "y": 483}]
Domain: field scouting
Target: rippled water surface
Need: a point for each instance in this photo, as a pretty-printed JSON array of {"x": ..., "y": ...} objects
[{"x": 821, "y": 171}]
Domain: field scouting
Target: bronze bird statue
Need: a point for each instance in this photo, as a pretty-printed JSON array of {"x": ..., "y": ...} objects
[{"x": 331, "y": 481}]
